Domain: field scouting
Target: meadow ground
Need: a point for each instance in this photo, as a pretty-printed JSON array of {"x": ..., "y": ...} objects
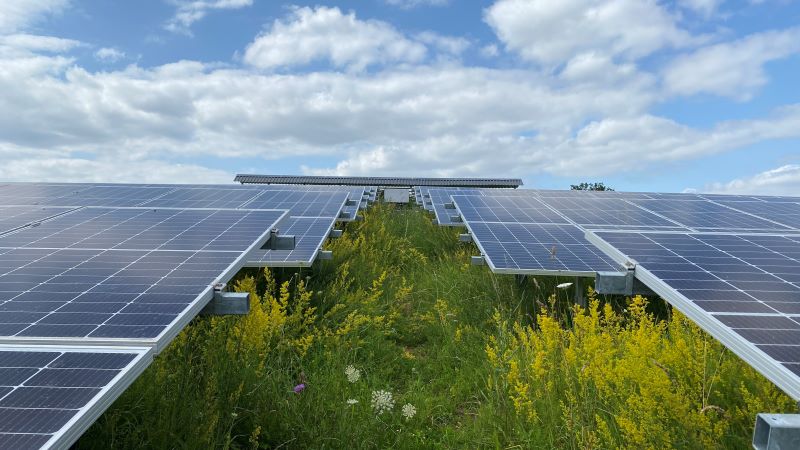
[{"x": 331, "y": 357}]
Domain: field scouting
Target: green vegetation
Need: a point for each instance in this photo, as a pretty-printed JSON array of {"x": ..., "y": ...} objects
[
  {"x": 590, "y": 187},
  {"x": 486, "y": 362}
]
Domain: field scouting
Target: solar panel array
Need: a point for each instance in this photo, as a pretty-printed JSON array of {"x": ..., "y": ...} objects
[
  {"x": 730, "y": 263},
  {"x": 124, "y": 268}
]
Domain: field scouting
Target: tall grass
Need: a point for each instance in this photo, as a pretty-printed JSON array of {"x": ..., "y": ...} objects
[{"x": 487, "y": 361}]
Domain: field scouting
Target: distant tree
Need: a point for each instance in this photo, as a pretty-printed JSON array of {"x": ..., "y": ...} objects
[{"x": 590, "y": 187}]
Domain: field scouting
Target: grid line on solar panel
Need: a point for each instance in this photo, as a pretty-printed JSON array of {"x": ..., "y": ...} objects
[
  {"x": 310, "y": 235},
  {"x": 50, "y": 395},
  {"x": 740, "y": 288}
]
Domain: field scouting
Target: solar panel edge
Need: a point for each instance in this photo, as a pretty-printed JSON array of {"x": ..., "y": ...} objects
[
  {"x": 752, "y": 355},
  {"x": 89, "y": 413}
]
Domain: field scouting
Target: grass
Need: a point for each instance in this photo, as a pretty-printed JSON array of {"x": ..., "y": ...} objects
[{"x": 487, "y": 362}]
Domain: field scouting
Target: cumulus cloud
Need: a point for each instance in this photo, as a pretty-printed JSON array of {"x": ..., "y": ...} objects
[
  {"x": 784, "y": 180},
  {"x": 408, "y": 4},
  {"x": 190, "y": 11},
  {"x": 107, "y": 54},
  {"x": 19, "y": 14},
  {"x": 552, "y": 32},
  {"x": 36, "y": 43},
  {"x": 731, "y": 69},
  {"x": 75, "y": 169},
  {"x": 326, "y": 34},
  {"x": 705, "y": 8}
]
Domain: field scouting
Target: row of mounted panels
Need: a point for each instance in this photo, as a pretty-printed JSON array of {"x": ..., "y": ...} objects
[
  {"x": 730, "y": 263},
  {"x": 307, "y": 205},
  {"x": 96, "y": 279}
]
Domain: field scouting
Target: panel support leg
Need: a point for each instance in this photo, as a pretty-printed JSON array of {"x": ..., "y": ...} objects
[{"x": 580, "y": 293}]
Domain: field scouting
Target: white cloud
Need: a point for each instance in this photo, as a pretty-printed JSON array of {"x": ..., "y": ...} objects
[
  {"x": 445, "y": 44},
  {"x": 784, "y": 180},
  {"x": 489, "y": 51},
  {"x": 413, "y": 114},
  {"x": 190, "y": 11},
  {"x": 408, "y": 4},
  {"x": 731, "y": 69},
  {"x": 326, "y": 34},
  {"x": 120, "y": 170},
  {"x": 35, "y": 43},
  {"x": 107, "y": 54},
  {"x": 705, "y": 8},
  {"x": 19, "y": 14},
  {"x": 552, "y": 32}
]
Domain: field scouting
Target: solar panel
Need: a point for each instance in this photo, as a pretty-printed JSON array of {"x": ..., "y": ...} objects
[
  {"x": 517, "y": 209},
  {"x": 13, "y": 217},
  {"x": 302, "y": 204},
  {"x": 598, "y": 213},
  {"x": 743, "y": 289},
  {"x": 79, "y": 194},
  {"x": 120, "y": 275},
  {"x": 50, "y": 395},
  {"x": 703, "y": 215},
  {"x": 522, "y": 235},
  {"x": 310, "y": 234},
  {"x": 210, "y": 197},
  {"x": 784, "y": 213},
  {"x": 438, "y": 200},
  {"x": 539, "y": 249}
]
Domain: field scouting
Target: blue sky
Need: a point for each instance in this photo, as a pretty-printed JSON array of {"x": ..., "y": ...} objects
[{"x": 643, "y": 95}]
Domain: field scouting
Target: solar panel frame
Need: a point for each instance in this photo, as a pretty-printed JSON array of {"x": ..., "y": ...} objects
[
  {"x": 170, "y": 330},
  {"x": 89, "y": 411},
  {"x": 710, "y": 321}
]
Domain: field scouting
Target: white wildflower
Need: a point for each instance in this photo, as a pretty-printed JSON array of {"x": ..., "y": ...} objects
[
  {"x": 352, "y": 401},
  {"x": 563, "y": 285},
  {"x": 353, "y": 374},
  {"x": 382, "y": 401},
  {"x": 409, "y": 411}
]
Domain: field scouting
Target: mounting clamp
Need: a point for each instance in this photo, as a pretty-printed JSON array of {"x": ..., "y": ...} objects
[
  {"x": 776, "y": 432},
  {"x": 620, "y": 283}
]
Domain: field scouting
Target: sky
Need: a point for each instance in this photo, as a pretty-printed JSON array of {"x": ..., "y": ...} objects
[{"x": 643, "y": 95}]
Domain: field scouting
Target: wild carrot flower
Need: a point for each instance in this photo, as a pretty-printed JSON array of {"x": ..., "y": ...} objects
[
  {"x": 353, "y": 374},
  {"x": 382, "y": 401},
  {"x": 352, "y": 401},
  {"x": 299, "y": 388},
  {"x": 409, "y": 411}
]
